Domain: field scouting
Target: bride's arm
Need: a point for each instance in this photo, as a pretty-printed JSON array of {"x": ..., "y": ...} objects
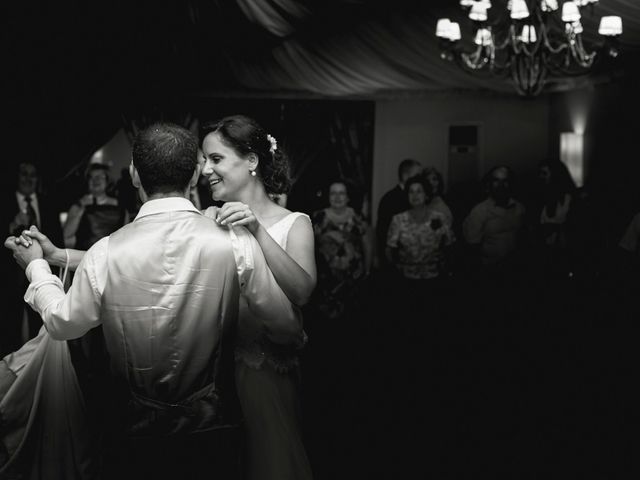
[
  {"x": 294, "y": 268},
  {"x": 58, "y": 257}
]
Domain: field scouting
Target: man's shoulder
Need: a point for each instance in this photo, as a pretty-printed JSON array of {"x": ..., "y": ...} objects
[
  {"x": 481, "y": 207},
  {"x": 390, "y": 202},
  {"x": 393, "y": 193}
]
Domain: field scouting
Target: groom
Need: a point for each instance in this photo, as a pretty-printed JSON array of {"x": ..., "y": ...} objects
[{"x": 165, "y": 289}]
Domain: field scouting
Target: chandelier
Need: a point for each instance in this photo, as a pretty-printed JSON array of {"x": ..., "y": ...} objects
[{"x": 529, "y": 41}]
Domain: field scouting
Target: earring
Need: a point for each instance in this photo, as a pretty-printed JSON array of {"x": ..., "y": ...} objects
[{"x": 252, "y": 172}]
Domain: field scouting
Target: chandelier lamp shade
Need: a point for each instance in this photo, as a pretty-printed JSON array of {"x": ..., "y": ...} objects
[{"x": 528, "y": 40}]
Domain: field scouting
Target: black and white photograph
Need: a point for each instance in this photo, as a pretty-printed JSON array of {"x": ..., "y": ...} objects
[{"x": 320, "y": 239}]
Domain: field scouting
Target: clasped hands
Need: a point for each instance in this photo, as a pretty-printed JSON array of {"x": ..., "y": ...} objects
[{"x": 30, "y": 245}]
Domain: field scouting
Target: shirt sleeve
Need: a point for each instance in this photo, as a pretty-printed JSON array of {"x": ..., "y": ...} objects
[
  {"x": 70, "y": 315},
  {"x": 264, "y": 297},
  {"x": 394, "y": 232},
  {"x": 448, "y": 234},
  {"x": 631, "y": 236},
  {"x": 473, "y": 226}
]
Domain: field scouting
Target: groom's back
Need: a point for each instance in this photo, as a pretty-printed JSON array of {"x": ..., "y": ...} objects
[{"x": 171, "y": 292}]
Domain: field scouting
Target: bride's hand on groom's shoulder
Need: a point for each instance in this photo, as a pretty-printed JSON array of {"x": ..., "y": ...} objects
[{"x": 237, "y": 213}]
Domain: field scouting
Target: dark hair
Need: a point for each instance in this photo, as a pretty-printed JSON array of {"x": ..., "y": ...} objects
[
  {"x": 561, "y": 183},
  {"x": 420, "y": 179},
  {"x": 93, "y": 167},
  {"x": 488, "y": 177},
  {"x": 165, "y": 156},
  {"x": 433, "y": 171},
  {"x": 245, "y": 136},
  {"x": 348, "y": 185},
  {"x": 561, "y": 179},
  {"x": 406, "y": 165}
]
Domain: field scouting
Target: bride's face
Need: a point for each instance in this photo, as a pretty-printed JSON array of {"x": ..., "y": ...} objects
[{"x": 228, "y": 172}]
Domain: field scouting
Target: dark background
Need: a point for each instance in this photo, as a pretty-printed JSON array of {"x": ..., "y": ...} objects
[{"x": 540, "y": 386}]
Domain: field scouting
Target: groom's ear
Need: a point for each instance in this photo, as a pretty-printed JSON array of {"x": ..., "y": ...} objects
[
  {"x": 196, "y": 175},
  {"x": 135, "y": 178}
]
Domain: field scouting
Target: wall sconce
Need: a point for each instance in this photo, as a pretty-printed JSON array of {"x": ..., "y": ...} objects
[{"x": 572, "y": 155}]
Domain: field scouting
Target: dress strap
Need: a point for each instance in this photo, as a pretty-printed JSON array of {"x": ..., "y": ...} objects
[{"x": 280, "y": 230}]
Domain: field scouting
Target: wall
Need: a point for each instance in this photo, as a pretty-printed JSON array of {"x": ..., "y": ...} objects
[
  {"x": 606, "y": 113},
  {"x": 513, "y": 131},
  {"x": 117, "y": 152}
]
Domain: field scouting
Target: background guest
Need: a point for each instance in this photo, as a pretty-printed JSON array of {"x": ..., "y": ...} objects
[
  {"x": 622, "y": 274},
  {"x": 25, "y": 205},
  {"x": 96, "y": 214},
  {"x": 392, "y": 202},
  {"x": 344, "y": 251},
  {"x": 493, "y": 227},
  {"x": 416, "y": 245},
  {"x": 437, "y": 203},
  {"x": 550, "y": 219}
]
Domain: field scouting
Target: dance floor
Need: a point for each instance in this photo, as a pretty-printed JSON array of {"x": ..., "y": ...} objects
[{"x": 529, "y": 388}]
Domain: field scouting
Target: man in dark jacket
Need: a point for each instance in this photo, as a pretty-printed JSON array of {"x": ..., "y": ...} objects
[{"x": 24, "y": 206}]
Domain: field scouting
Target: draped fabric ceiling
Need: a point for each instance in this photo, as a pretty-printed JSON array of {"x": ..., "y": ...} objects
[
  {"x": 71, "y": 70},
  {"x": 382, "y": 48}
]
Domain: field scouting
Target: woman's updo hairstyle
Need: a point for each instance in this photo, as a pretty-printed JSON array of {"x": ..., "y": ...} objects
[{"x": 245, "y": 136}]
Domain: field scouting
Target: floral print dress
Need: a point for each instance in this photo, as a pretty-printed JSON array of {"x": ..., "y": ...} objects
[
  {"x": 340, "y": 258},
  {"x": 419, "y": 244}
]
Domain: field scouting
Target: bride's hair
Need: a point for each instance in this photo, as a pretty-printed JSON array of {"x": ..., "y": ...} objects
[{"x": 245, "y": 136}]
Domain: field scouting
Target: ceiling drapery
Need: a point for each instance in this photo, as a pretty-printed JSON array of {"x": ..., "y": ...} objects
[
  {"x": 274, "y": 15},
  {"x": 71, "y": 70},
  {"x": 393, "y": 52}
]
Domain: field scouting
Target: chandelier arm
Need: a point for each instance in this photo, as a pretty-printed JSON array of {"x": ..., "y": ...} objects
[
  {"x": 586, "y": 58},
  {"x": 509, "y": 39},
  {"x": 530, "y": 53},
  {"x": 475, "y": 60},
  {"x": 529, "y": 76},
  {"x": 514, "y": 41},
  {"x": 548, "y": 45},
  {"x": 517, "y": 79},
  {"x": 542, "y": 77}
]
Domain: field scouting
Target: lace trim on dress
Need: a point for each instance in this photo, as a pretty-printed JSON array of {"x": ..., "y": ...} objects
[{"x": 281, "y": 358}]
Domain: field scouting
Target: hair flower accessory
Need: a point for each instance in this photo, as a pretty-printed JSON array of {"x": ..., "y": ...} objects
[{"x": 274, "y": 144}]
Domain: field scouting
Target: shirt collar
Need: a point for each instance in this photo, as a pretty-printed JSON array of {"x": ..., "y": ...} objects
[{"x": 168, "y": 204}]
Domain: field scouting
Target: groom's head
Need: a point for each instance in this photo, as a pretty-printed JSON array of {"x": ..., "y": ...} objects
[{"x": 165, "y": 158}]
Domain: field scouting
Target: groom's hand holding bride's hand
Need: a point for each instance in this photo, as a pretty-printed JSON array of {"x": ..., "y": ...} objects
[
  {"x": 237, "y": 213},
  {"x": 48, "y": 248},
  {"x": 24, "y": 255},
  {"x": 50, "y": 252}
]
